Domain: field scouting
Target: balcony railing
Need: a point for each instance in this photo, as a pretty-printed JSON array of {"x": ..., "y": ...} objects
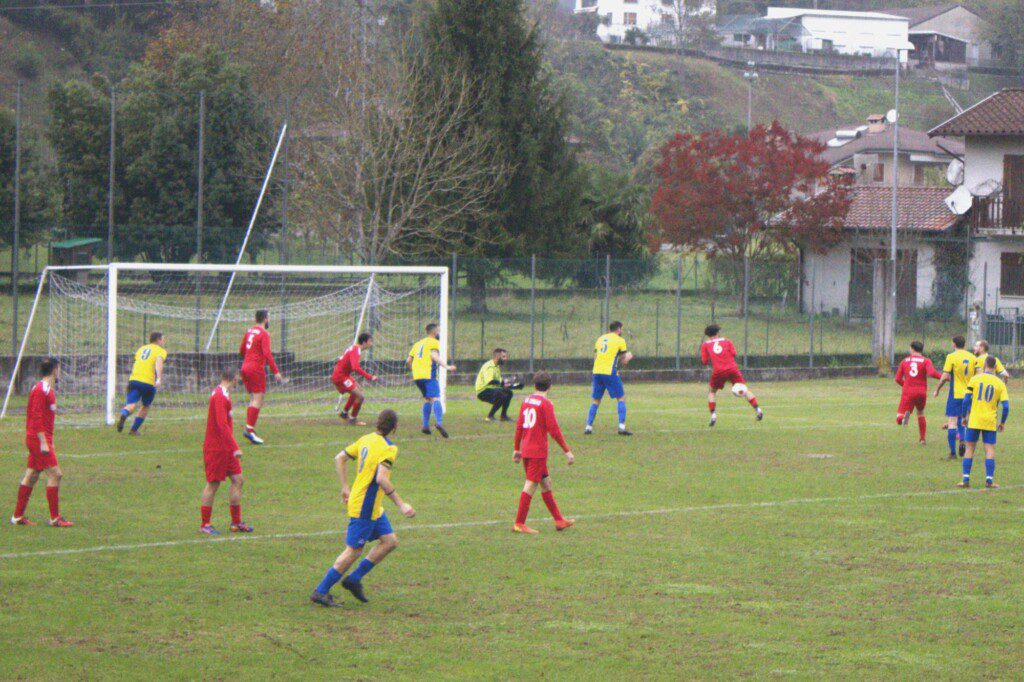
[{"x": 998, "y": 212}]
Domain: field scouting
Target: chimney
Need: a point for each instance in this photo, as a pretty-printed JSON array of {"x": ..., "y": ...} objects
[{"x": 876, "y": 123}]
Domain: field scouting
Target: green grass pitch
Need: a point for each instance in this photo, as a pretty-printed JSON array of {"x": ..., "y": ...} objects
[{"x": 820, "y": 543}]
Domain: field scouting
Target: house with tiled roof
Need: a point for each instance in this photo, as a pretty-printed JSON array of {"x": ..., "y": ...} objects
[
  {"x": 946, "y": 35},
  {"x": 991, "y": 195}
]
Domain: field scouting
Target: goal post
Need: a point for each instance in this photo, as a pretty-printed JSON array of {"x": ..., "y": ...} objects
[{"x": 93, "y": 318}]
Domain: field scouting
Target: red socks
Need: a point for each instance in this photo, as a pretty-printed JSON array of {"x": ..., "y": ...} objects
[
  {"x": 355, "y": 408},
  {"x": 549, "y": 500},
  {"x": 922, "y": 425},
  {"x": 711, "y": 406},
  {"x": 53, "y": 499},
  {"x": 206, "y": 513},
  {"x": 753, "y": 403},
  {"x": 236, "y": 513},
  {"x": 251, "y": 415},
  {"x": 350, "y": 402},
  {"x": 24, "y": 492},
  {"x": 524, "y": 507}
]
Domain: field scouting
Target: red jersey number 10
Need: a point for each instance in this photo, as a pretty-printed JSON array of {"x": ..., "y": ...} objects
[{"x": 529, "y": 418}]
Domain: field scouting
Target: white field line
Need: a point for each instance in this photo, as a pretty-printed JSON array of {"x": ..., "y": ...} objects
[{"x": 476, "y": 524}]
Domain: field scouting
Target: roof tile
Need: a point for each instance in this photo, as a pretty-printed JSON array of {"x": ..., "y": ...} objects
[
  {"x": 1001, "y": 113},
  {"x": 920, "y": 209}
]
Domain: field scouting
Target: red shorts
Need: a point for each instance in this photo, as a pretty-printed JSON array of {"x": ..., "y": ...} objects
[
  {"x": 733, "y": 376},
  {"x": 254, "y": 380},
  {"x": 345, "y": 384},
  {"x": 909, "y": 401},
  {"x": 37, "y": 459},
  {"x": 536, "y": 468},
  {"x": 220, "y": 465}
]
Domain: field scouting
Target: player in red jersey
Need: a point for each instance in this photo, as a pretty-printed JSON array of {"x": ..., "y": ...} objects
[
  {"x": 912, "y": 375},
  {"x": 255, "y": 350},
  {"x": 222, "y": 458},
  {"x": 721, "y": 354},
  {"x": 42, "y": 458},
  {"x": 536, "y": 421},
  {"x": 343, "y": 381}
]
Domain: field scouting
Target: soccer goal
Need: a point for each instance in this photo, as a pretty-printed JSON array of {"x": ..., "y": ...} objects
[{"x": 93, "y": 318}]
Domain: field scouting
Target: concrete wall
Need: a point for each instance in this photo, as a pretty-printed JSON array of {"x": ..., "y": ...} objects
[
  {"x": 989, "y": 253},
  {"x": 964, "y": 25},
  {"x": 983, "y": 158}
]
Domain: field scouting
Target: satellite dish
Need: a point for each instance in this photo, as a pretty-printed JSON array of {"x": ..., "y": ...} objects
[
  {"x": 891, "y": 116},
  {"x": 959, "y": 201},
  {"x": 987, "y": 188},
  {"x": 955, "y": 172}
]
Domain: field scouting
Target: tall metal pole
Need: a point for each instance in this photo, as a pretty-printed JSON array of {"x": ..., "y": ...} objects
[
  {"x": 533, "y": 304},
  {"x": 110, "y": 175},
  {"x": 891, "y": 350},
  {"x": 17, "y": 222},
  {"x": 679, "y": 311},
  {"x": 746, "y": 300},
  {"x": 283, "y": 246},
  {"x": 607, "y": 289},
  {"x": 200, "y": 187}
]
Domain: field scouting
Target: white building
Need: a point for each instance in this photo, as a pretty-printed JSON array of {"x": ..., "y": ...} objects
[
  {"x": 649, "y": 21},
  {"x": 871, "y": 34}
]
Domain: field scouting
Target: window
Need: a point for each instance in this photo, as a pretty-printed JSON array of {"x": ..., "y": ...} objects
[
  {"x": 629, "y": 18},
  {"x": 1011, "y": 274},
  {"x": 879, "y": 175},
  {"x": 919, "y": 174},
  {"x": 629, "y": 2}
]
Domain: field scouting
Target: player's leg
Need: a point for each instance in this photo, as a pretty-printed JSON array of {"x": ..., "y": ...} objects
[
  {"x": 131, "y": 402},
  {"x": 388, "y": 542},
  {"x": 971, "y": 440},
  {"x": 206, "y": 507},
  {"x": 141, "y": 417},
  {"x": 53, "y": 477},
  {"x": 321, "y": 595},
  {"x": 235, "y": 503},
  {"x": 990, "y": 459},
  {"x": 922, "y": 423},
  {"x": 433, "y": 389},
  {"x": 712, "y": 403},
  {"x": 28, "y": 482},
  {"x": 492, "y": 397},
  {"x": 506, "y": 401},
  {"x": 252, "y": 415},
  {"x": 961, "y": 433},
  {"x": 525, "y": 498},
  {"x": 355, "y": 403},
  {"x": 548, "y": 495},
  {"x": 597, "y": 389},
  {"x": 428, "y": 407}
]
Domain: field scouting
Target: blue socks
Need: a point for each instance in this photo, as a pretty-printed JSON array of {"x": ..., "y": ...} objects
[
  {"x": 592, "y": 414},
  {"x": 125, "y": 412},
  {"x": 622, "y": 413},
  {"x": 966, "y": 465},
  {"x": 364, "y": 567},
  {"x": 990, "y": 469},
  {"x": 951, "y": 437},
  {"x": 330, "y": 579},
  {"x": 138, "y": 423},
  {"x": 426, "y": 415},
  {"x": 438, "y": 418}
]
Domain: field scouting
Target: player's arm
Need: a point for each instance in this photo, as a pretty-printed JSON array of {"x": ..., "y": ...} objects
[
  {"x": 436, "y": 357},
  {"x": 408, "y": 360},
  {"x": 930, "y": 369},
  {"x": 356, "y": 367},
  {"x": 265, "y": 340},
  {"x": 626, "y": 357},
  {"x": 965, "y": 412},
  {"x": 389, "y": 489},
  {"x": 43, "y": 445},
  {"x": 340, "y": 460},
  {"x": 899, "y": 374},
  {"x": 943, "y": 379},
  {"x": 159, "y": 367},
  {"x": 241, "y": 348},
  {"x": 517, "y": 453},
  {"x": 556, "y": 432},
  {"x": 705, "y": 356}
]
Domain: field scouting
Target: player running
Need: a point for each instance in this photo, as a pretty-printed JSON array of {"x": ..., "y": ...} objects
[
  {"x": 42, "y": 458},
  {"x": 343, "y": 381},
  {"x": 981, "y": 352},
  {"x": 424, "y": 359},
  {"x": 376, "y": 454},
  {"x": 222, "y": 457},
  {"x": 959, "y": 366},
  {"x": 536, "y": 421},
  {"x": 255, "y": 350},
  {"x": 720, "y": 352},
  {"x": 147, "y": 372},
  {"x": 912, "y": 375},
  {"x": 609, "y": 350},
  {"x": 986, "y": 392}
]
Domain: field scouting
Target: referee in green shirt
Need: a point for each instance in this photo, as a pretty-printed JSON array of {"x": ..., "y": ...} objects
[{"x": 492, "y": 389}]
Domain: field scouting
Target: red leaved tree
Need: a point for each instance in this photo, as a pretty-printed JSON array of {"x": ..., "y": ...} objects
[{"x": 762, "y": 194}]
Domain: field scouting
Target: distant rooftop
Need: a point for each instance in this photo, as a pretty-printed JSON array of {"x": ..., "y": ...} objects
[
  {"x": 920, "y": 209},
  {"x": 852, "y": 140},
  {"x": 1001, "y": 113}
]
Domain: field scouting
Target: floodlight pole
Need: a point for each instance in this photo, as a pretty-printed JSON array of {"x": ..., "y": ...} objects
[{"x": 891, "y": 350}]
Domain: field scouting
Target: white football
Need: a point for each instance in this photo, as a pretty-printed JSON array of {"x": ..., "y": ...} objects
[{"x": 739, "y": 390}]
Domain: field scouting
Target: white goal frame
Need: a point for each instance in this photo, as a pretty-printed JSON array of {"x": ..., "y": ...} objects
[{"x": 113, "y": 269}]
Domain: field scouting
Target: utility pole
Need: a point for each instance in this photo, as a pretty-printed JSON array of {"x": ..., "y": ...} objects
[
  {"x": 895, "y": 120},
  {"x": 200, "y": 182},
  {"x": 17, "y": 223},
  {"x": 751, "y": 76}
]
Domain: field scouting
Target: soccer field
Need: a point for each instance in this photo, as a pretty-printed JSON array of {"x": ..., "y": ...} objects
[{"x": 822, "y": 542}]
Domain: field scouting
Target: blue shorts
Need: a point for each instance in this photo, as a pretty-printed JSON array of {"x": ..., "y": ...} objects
[
  {"x": 607, "y": 382},
  {"x": 429, "y": 388},
  {"x": 361, "y": 531},
  {"x": 140, "y": 392},
  {"x": 954, "y": 406},
  {"x": 987, "y": 437}
]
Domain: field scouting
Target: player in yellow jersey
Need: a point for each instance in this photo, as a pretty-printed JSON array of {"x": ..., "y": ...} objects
[
  {"x": 375, "y": 454},
  {"x": 957, "y": 370},
  {"x": 986, "y": 406},
  {"x": 424, "y": 360},
  {"x": 609, "y": 351},
  {"x": 147, "y": 373},
  {"x": 981, "y": 352}
]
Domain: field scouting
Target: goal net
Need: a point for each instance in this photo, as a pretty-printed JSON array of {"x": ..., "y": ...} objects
[{"x": 94, "y": 319}]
